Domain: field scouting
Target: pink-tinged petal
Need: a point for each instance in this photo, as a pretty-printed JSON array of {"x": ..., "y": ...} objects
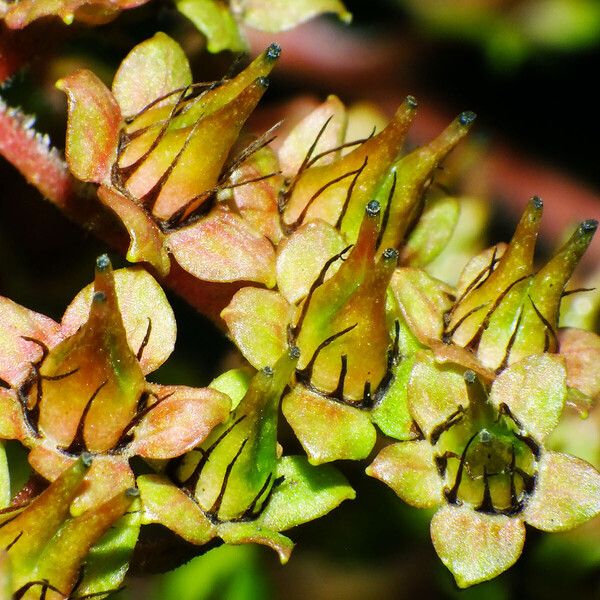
[
  {"x": 16, "y": 352},
  {"x": 567, "y": 493},
  {"x": 223, "y": 247},
  {"x": 326, "y": 429},
  {"x": 12, "y": 425},
  {"x": 180, "y": 422},
  {"x": 325, "y": 125},
  {"x": 257, "y": 321},
  {"x": 147, "y": 241},
  {"x": 254, "y": 533},
  {"x": 581, "y": 351},
  {"x": 302, "y": 256},
  {"x": 168, "y": 505},
  {"x": 409, "y": 469},
  {"x": 144, "y": 308},
  {"x": 534, "y": 390},
  {"x": 435, "y": 392},
  {"x": 151, "y": 70},
  {"x": 108, "y": 475},
  {"x": 476, "y": 546},
  {"x": 93, "y": 126}
]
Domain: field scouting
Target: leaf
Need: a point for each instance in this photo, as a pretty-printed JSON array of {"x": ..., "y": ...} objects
[
  {"x": 166, "y": 504},
  {"x": 476, "y": 546},
  {"x": 302, "y": 256},
  {"x": 94, "y": 120},
  {"x": 234, "y": 383},
  {"x": 153, "y": 69},
  {"x": 222, "y": 247},
  {"x": 567, "y": 493},
  {"x": 581, "y": 351},
  {"x": 258, "y": 321},
  {"x": 534, "y": 390},
  {"x": 326, "y": 429},
  {"x": 279, "y": 15},
  {"x": 409, "y": 469},
  {"x": 305, "y": 493},
  {"x": 16, "y": 352},
  {"x": 253, "y": 533},
  {"x": 5, "y": 494},
  {"x": 145, "y": 311},
  {"x": 180, "y": 419},
  {"x": 214, "y": 19}
]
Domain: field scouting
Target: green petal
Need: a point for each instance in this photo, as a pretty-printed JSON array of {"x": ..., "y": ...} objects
[
  {"x": 306, "y": 493},
  {"x": 326, "y": 429},
  {"x": 92, "y": 128},
  {"x": 168, "y": 505},
  {"x": 5, "y": 495},
  {"x": 234, "y": 383},
  {"x": 409, "y": 469},
  {"x": 151, "y": 70},
  {"x": 214, "y": 19},
  {"x": 534, "y": 390},
  {"x": 434, "y": 392},
  {"x": 476, "y": 546},
  {"x": 279, "y": 15},
  {"x": 254, "y": 533},
  {"x": 567, "y": 493},
  {"x": 258, "y": 321}
]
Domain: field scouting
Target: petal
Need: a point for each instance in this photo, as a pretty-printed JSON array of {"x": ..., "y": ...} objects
[
  {"x": 434, "y": 392},
  {"x": 258, "y": 322},
  {"x": 298, "y": 145},
  {"x": 254, "y": 533},
  {"x": 5, "y": 494},
  {"x": 234, "y": 383},
  {"x": 223, "y": 247},
  {"x": 166, "y": 504},
  {"x": 409, "y": 469},
  {"x": 180, "y": 422},
  {"x": 12, "y": 424},
  {"x": 216, "y": 22},
  {"x": 151, "y": 70},
  {"x": 93, "y": 126},
  {"x": 326, "y": 429},
  {"x": 144, "y": 308},
  {"x": 147, "y": 241},
  {"x": 581, "y": 350},
  {"x": 16, "y": 352},
  {"x": 302, "y": 256},
  {"x": 476, "y": 546},
  {"x": 534, "y": 390},
  {"x": 567, "y": 493},
  {"x": 304, "y": 494}
]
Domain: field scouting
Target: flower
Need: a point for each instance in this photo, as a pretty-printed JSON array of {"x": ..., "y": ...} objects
[{"x": 482, "y": 460}]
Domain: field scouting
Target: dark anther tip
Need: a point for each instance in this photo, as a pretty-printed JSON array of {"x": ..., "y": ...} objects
[
  {"x": 466, "y": 117},
  {"x": 295, "y": 352},
  {"x": 537, "y": 202},
  {"x": 132, "y": 492},
  {"x": 86, "y": 459},
  {"x": 102, "y": 262},
  {"x": 391, "y": 254},
  {"x": 373, "y": 208},
  {"x": 99, "y": 297},
  {"x": 412, "y": 102},
  {"x": 470, "y": 376},
  {"x": 273, "y": 51},
  {"x": 263, "y": 82},
  {"x": 589, "y": 226},
  {"x": 268, "y": 371}
]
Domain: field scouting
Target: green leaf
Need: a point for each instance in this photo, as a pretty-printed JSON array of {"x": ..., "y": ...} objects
[
  {"x": 214, "y": 19},
  {"x": 567, "y": 493},
  {"x": 306, "y": 493},
  {"x": 4, "y": 479},
  {"x": 279, "y": 15},
  {"x": 93, "y": 125},
  {"x": 153, "y": 69},
  {"x": 534, "y": 390},
  {"x": 409, "y": 469},
  {"x": 253, "y": 533},
  {"x": 234, "y": 383},
  {"x": 476, "y": 546},
  {"x": 327, "y": 429}
]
